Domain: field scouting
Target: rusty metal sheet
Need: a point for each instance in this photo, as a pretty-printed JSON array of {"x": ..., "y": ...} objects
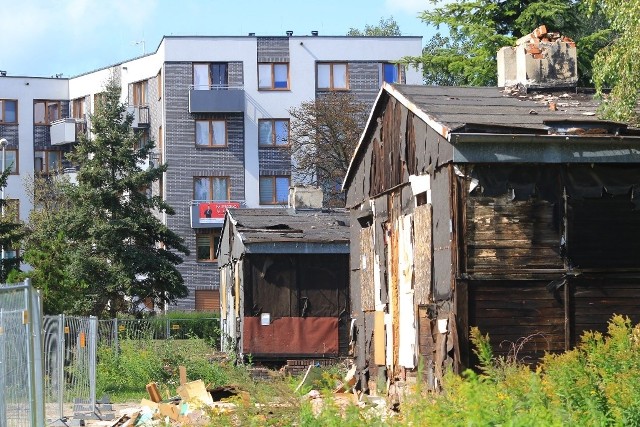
[
  {"x": 300, "y": 336},
  {"x": 422, "y": 257},
  {"x": 367, "y": 266}
]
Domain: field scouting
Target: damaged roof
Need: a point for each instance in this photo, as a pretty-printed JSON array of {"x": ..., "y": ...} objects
[
  {"x": 508, "y": 110},
  {"x": 510, "y": 123},
  {"x": 284, "y": 226}
]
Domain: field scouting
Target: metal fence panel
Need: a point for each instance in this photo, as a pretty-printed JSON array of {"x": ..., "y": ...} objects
[{"x": 21, "y": 397}]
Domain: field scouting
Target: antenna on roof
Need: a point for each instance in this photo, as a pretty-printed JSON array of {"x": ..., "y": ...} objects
[{"x": 143, "y": 47}]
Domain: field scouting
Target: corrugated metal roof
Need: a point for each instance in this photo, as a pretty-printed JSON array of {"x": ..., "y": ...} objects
[{"x": 286, "y": 225}]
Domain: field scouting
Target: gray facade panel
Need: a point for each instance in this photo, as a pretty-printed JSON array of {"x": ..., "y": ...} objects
[
  {"x": 186, "y": 161},
  {"x": 10, "y": 132},
  {"x": 274, "y": 161},
  {"x": 273, "y": 49}
]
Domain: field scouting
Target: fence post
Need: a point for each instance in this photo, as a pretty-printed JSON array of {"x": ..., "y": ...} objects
[
  {"x": 3, "y": 371},
  {"x": 35, "y": 320},
  {"x": 116, "y": 343},
  {"x": 60, "y": 367},
  {"x": 93, "y": 339},
  {"x": 168, "y": 333}
]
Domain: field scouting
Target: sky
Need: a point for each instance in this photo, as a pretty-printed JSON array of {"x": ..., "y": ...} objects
[{"x": 70, "y": 37}]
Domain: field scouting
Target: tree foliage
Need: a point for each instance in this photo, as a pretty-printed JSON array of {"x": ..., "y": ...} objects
[
  {"x": 11, "y": 232},
  {"x": 323, "y": 136},
  {"x": 114, "y": 246},
  {"x": 386, "y": 27},
  {"x": 617, "y": 65},
  {"x": 477, "y": 29}
]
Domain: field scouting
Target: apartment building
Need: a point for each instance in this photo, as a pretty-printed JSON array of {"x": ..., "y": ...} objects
[{"x": 217, "y": 108}]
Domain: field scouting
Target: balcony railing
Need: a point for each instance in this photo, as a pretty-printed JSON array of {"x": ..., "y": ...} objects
[
  {"x": 216, "y": 99},
  {"x": 210, "y": 213},
  {"x": 140, "y": 115},
  {"x": 66, "y": 131}
]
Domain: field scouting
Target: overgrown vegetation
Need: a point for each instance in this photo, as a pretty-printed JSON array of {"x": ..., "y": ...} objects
[{"x": 596, "y": 384}]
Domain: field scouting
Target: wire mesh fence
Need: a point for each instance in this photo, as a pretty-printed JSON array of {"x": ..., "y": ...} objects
[
  {"x": 21, "y": 385},
  {"x": 157, "y": 328}
]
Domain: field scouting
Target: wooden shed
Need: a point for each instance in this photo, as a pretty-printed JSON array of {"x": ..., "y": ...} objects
[
  {"x": 284, "y": 286},
  {"x": 513, "y": 211}
]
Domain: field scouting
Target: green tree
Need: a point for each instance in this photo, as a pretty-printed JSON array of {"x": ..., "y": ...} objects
[
  {"x": 477, "y": 29},
  {"x": 386, "y": 27},
  {"x": 114, "y": 246},
  {"x": 617, "y": 65},
  {"x": 11, "y": 232},
  {"x": 324, "y": 133}
]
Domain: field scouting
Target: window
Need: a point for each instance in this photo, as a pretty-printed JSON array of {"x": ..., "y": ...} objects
[
  {"x": 274, "y": 189},
  {"x": 46, "y": 162},
  {"x": 98, "y": 100},
  {"x": 273, "y": 132},
  {"x": 159, "y": 81},
  {"x": 45, "y": 112},
  {"x": 332, "y": 76},
  {"x": 211, "y": 188},
  {"x": 11, "y": 160},
  {"x": 8, "y": 111},
  {"x": 77, "y": 108},
  {"x": 206, "y": 245},
  {"x": 211, "y": 133},
  {"x": 392, "y": 73},
  {"x": 273, "y": 75},
  {"x": 139, "y": 93},
  {"x": 213, "y": 75}
]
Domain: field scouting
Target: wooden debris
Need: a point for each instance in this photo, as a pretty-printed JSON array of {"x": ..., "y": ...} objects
[{"x": 154, "y": 394}]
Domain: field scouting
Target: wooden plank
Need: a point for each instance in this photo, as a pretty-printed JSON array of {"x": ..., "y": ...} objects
[
  {"x": 154, "y": 394},
  {"x": 379, "y": 353},
  {"x": 423, "y": 253},
  {"x": 367, "y": 293}
]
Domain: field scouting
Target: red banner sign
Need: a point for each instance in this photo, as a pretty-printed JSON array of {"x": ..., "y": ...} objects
[{"x": 213, "y": 212}]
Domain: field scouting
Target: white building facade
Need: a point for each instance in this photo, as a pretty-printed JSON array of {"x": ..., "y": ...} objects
[{"x": 217, "y": 109}]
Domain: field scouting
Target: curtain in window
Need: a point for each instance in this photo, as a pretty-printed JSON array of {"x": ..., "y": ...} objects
[
  {"x": 280, "y": 72},
  {"x": 220, "y": 192},
  {"x": 266, "y": 190},
  {"x": 201, "y": 189},
  {"x": 200, "y": 77},
  {"x": 264, "y": 132}
]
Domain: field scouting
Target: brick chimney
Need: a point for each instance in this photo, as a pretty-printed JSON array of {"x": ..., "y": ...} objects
[
  {"x": 539, "y": 60},
  {"x": 305, "y": 197}
]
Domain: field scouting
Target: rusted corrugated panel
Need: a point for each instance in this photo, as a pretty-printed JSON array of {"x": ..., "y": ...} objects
[
  {"x": 510, "y": 311},
  {"x": 394, "y": 211},
  {"x": 367, "y": 297},
  {"x": 505, "y": 237},
  {"x": 310, "y": 336},
  {"x": 422, "y": 253}
]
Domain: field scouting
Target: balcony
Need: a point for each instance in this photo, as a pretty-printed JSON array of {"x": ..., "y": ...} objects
[
  {"x": 66, "y": 131},
  {"x": 216, "y": 99},
  {"x": 210, "y": 213},
  {"x": 140, "y": 113}
]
